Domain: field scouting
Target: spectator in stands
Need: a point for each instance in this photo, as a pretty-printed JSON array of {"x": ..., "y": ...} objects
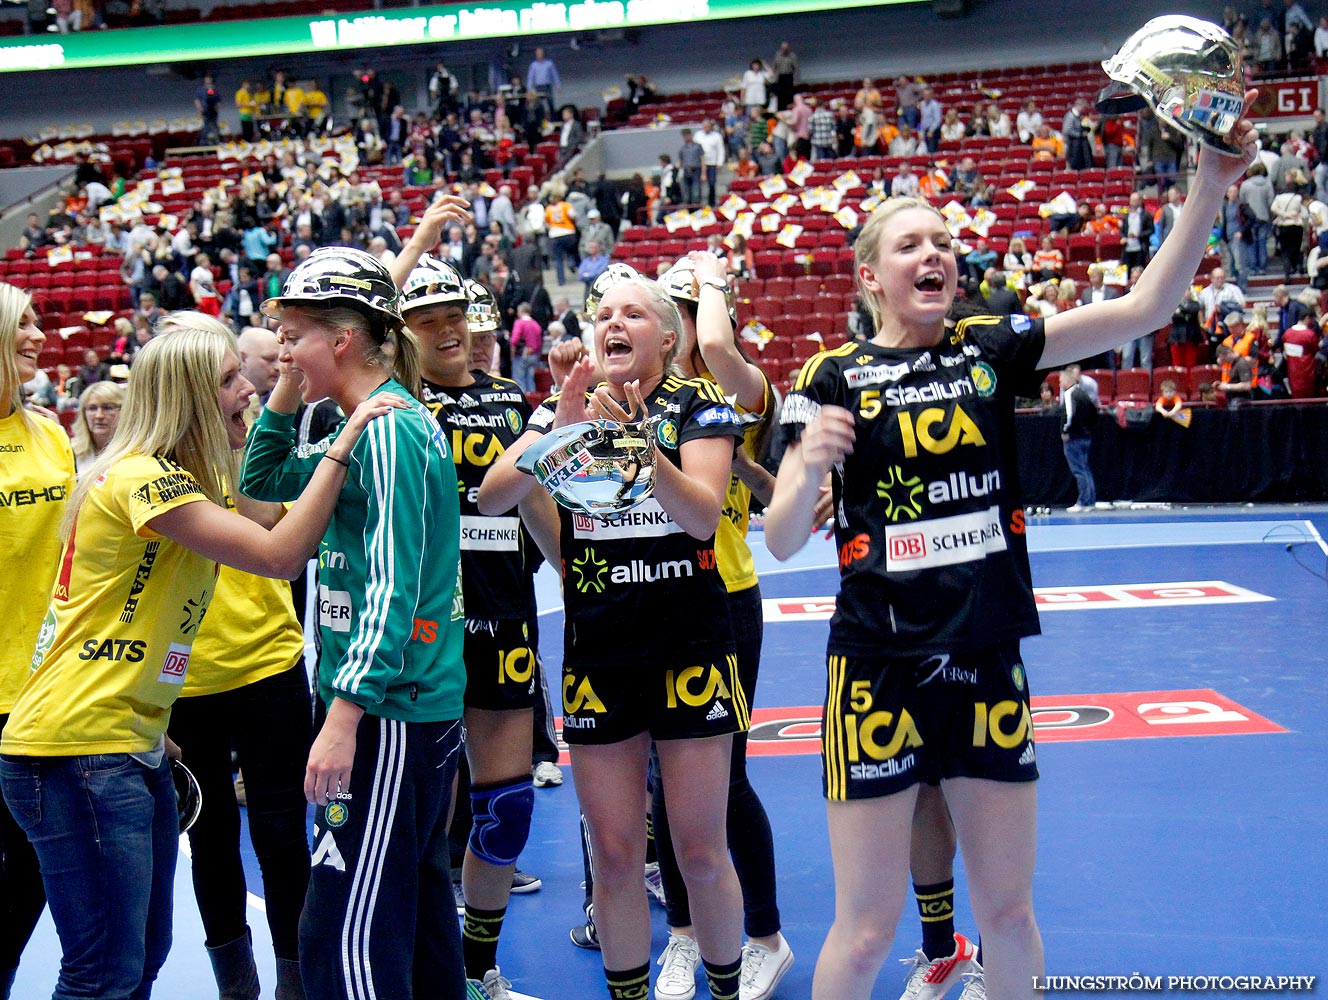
[
  {"x": 1268, "y": 47},
  {"x": 93, "y": 369},
  {"x": 208, "y": 102},
  {"x": 1237, "y": 380},
  {"x": 846, "y": 131},
  {"x": 784, "y": 66},
  {"x": 1291, "y": 172},
  {"x": 905, "y": 182},
  {"x": 712, "y": 151},
  {"x": 691, "y": 159},
  {"x": 822, "y": 134},
  {"x": 970, "y": 185},
  {"x": 1290, "y": 219},
  {"x": 502, "y": 212},
  {"x": 1048, "y": 262},
  {"x": 1077, "y": 423},
  {"x": 202, "y": 287},
  {"x": 908, "y": 95},
  {"x": 744, "y": 167},
  {"x": 952, "y": 128},
  {"x": 867, "y": 95},
  {"x": 1046, "y": 144},
  {"x": 1077, "y": 128},
  {"x": 1256, "y": 195},
  {"x": 1299, "y": 345},
  {"x": 1217, "y": 299},
  {"x": 560, "y": 219},
  {"x": 754, "y": 83},
  {"x": 978, "y": 260},
  {"x": 929, "y": 119},
  {"x": 1289, "y": 311},
  {"x": 905, "y": 143},
  {"x": 800, "y": 124},
  {"x": 1168, "y": 214},
  {"x": 33, "y": 234},
  {"x": 1166, "y": 150},
  {"x": 169, "y": 288},
  {"x": 593, "y": 264},
  {"x": 527, "y": 348},
  {"x": 1002, "y": 300},
  {"x": 596, "y": 231},
  {"x": 1017, "y": 257},
  {"x": 998, "y": 122},
  {"x": 1170, "y": 402},
  {"x": 758, "y": 129},
  {"x": 1027, "y": 121},
  {"x": 571, "y": 136},
  {"x": 1186, "y": 339}
]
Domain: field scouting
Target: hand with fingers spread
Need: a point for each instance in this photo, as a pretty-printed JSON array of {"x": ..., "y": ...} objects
[
  {"x": 827, "y": 440},
  {"x": 374, "y": 406},
  {"x": 572, "y": 406},
  {"x": 608, "y": 408},
  {"x": 437, "y": 217}
]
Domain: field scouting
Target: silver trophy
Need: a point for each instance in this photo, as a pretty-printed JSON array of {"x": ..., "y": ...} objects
[{"x": 600, "y": 468}]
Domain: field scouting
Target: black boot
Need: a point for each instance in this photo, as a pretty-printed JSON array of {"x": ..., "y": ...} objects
[
  {"x": 289, "y": 984},
  {"x": 233, "y": 966}
]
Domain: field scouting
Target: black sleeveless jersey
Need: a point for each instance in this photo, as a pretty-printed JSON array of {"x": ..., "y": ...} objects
[
  {"x": 498, "y": 558},
  {"x": 928, "y": 510},
  {"x": 636, "y": 586}
]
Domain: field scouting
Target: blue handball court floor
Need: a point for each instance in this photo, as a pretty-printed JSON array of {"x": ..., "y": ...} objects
[{"x": 1180, "y": 694}]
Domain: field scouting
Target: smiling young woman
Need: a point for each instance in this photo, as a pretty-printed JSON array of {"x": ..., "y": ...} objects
[
  {"x": 85, "y": 740},
  {"x": 936, "y": 590},
  {"x": 621, "y": 690}
]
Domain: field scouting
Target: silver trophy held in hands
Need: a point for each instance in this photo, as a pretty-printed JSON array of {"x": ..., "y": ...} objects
[
  {"x": 1187, "y": 70},
  {"x": 600, "y": 468}
]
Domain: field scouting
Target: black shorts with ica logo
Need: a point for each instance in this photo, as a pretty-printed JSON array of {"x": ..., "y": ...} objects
[
  {"x": 603, "y": 705},
  {"x": 500, "y": 664},
  {"x": 890, "y": 723}
]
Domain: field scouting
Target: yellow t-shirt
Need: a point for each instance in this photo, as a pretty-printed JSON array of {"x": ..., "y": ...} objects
[
  {"x": 294, "y": 100},
  {"x": 732, "y": 553},
  {"x": 114, "y": 647},
  {"x": 314, "y": 104},
  {"x": 245, "y": 104},
  {"x": 251, "y": 633},
  {"x": 36, "y": 477}
]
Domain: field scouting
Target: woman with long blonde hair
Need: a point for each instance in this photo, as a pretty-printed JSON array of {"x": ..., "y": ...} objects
[
  {"x": 36, "y": 465},
  {"x": 98, "y": 414},
  {"x": 142, "y": 535},
  {"x": 926, "y": 683}
]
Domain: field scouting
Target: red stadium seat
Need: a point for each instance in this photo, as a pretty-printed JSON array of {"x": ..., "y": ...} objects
[
  {"x": 1212, "y": 374},
  {"x": 1133, "y": 382},
  {"x": 1105, "y": 378},
  {"x": 1181, "y": 376}
]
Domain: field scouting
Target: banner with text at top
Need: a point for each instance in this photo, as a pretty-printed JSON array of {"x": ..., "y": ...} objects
[{"x": 439, "y": 23}]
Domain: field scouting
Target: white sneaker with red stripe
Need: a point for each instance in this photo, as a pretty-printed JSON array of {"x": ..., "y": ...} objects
[{"x": 931, "y": 979}]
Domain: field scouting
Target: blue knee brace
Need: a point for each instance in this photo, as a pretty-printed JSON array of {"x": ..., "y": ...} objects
[{"x": 502, "y": 821}]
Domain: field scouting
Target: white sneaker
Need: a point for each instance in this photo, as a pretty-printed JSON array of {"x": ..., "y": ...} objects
[
  {"x": 678, "y": 965},
  {"x": 546, "y": 773},
  {"x": 1077, "y": 508},
  {"x": 494, "y": 986},
  {"x": 930, "y": 980},
  {"x": 762, "y": 969},
  {"x": 974, "y": 986}
]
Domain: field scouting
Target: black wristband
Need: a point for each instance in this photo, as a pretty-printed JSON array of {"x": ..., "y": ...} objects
[{"x": 339, "y": 461}]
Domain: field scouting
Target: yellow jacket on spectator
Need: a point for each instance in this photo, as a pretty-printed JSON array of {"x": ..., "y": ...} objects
[
  {"x": 294, "y": 100},
  {"x": 315, "y": 104},
  {"x": 245, "y": 104}
]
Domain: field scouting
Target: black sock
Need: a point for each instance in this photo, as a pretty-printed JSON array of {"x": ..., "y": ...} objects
[
  {"x": 936, "y": 908},
  {"x": 479, "y": 940},
  {"x": 723, "y": 979},
  {"x": 629, "y": 984},
  {"x": 651, "y": 854}
]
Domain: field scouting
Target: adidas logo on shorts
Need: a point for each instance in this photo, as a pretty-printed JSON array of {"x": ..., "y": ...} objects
[
  {"x": 717, "y": 712},
  {"x": 1028, "y": 756}
]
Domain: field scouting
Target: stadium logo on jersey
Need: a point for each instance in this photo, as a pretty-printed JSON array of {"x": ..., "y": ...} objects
[
  {"x": 798, "y": 409},
  {"x": 589, "y": 569},
  {"x": 933, "y": 392},
  {"x": 649, "y": 520},
  {"x": 490, "y": 420},
  {"x": 12, "y": 449},
  {"x": 579, "y": 696},
  {"x": 513, "y": 420},
  {"x": 668, "y": 433},
  {"x": 944, "y": 541},
  {"x": 334, "y": 609},
  {"x": 984, "y": 378},
  {"x": 900, "y": 495},
  {"x": 176, "y": 665}
]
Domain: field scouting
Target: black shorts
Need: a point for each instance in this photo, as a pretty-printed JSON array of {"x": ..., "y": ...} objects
[
  {"x": 609, "y": 704},
  {"x": 891, "y": 723},
  {"x": 500, "y": 665}
]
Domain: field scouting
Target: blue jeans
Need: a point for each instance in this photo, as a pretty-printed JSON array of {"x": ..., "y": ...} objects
[
  {"x": 1138, "y": 353},
  {"x": 1257, "y": 259},
  {"x": 1076, "y": 455},
  {"x": 564, "y": 251},
  {"x": 106, "y": 835},
  {"x": 523, "y": 371}
]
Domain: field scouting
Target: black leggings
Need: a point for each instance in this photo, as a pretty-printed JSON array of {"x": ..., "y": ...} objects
[
  {"x": 750, "y": 841},
  {"x": 268, "y": 725},
  {"x": 22, "y": 897}
]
